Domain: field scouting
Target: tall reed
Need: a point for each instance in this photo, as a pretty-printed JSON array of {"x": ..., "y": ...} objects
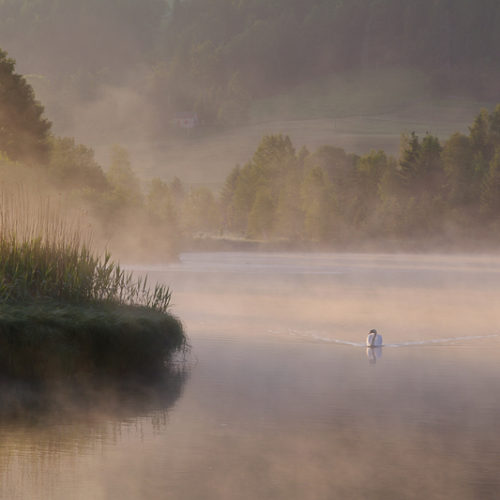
[{"x": 46, "y": 256}]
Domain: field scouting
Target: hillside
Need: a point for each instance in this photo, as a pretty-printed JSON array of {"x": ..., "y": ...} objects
[
  {"x": 358, "y": 112},
  {"x": 357, "y": 72}
]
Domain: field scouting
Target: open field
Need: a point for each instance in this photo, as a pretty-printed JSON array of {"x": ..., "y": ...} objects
[
  {"x": 206, "y": 157},
  {"x": 357, "y": 111}
]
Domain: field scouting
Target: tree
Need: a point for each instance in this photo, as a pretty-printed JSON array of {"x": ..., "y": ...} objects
[
  {"x": 160, "y": 205},
  {"x": 458, "y": 162},
  {"x": 494, "y": 122},
  {"x": 245, "y": 190},
  {"x": 409, "y": 158},
  {"x": 490, "y": 195},
  {"x": 201, "y": 212},
  {"x": 420, "y": 164},
  {"x": 369, "y": 172},
  {"x": 340, "y": 171},
  {"x": 74, "y": 166},
  {"x": 318, "y": 205},
  {"x": 431, "y": 166},
  {"x": 289, "y": 217},
  {"x": 480, "y": 136},
  {"x": 261, "y": 217},
  {"x": 227, "y": 200},
  {"x": 24, "y": 131},
  {"x": 122, "y": 179},
  {"x": 273, "y": 152}
]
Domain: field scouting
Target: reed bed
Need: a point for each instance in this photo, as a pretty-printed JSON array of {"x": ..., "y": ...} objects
[
  {"x": 43, "y": 256},
  {"x": 66, "y": 309}
]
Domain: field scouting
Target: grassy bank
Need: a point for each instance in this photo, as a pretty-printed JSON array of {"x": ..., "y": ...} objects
[
  {"x": 66, "y": 309},
  {"x": 49, "y": 338}
]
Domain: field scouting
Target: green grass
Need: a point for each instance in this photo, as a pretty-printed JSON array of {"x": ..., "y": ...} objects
[
  {"x": 66, "y": 309},
  {"x": 358, "y": 111},
  {"x": 41, "y": 340}
]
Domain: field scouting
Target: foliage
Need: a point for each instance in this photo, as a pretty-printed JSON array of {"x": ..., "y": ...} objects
[
  {"x": 23, "y": 129},
  {"x": 73, "y": 165},
  {"x": 43, "y": 257},
  {"x": 160, "y": 203},
  {"x": 121, "y": 177},
  {"x": 40, "y": 340},
  {"x": 200, "y": 211},
  {"x": 432, "y": 190},
  {"x": 216, "y": 56},
  {"x": 268, "y": 46},
  {"x": 97, "y": 34},
  {"x": 330, "y": 196}
]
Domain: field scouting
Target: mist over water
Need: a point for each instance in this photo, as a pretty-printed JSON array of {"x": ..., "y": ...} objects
[
  {"x": 339, "y": 296},
  {"x": 279, "y": 398}
]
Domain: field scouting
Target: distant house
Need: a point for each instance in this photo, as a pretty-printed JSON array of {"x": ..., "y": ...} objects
[{"x": 186, "y": 119}]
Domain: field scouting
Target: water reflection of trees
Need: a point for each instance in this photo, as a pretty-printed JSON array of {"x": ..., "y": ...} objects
[{"x": 46, "y": 429}]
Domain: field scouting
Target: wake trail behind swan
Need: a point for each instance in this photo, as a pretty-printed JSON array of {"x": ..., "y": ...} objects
[
  {"x": 442, "y": 341},
  {"x": 322, "y": 338}
]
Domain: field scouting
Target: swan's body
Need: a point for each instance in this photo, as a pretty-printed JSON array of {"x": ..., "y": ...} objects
[{"x": 374, "y": 339}]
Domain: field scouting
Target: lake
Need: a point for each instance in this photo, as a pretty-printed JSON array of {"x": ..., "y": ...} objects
[{"x": 278, "y": 397}]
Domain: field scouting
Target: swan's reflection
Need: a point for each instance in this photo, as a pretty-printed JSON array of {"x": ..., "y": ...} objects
[{"x": 373, "y": 353}]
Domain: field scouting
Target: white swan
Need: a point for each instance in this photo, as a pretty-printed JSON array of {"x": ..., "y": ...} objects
[{"x": 374, "y": 339}]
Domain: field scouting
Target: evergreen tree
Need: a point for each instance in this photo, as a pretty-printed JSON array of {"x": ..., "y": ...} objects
[
  {"x": 490, "y": 195},
  {"x": 458, "y": 161},
  {"x": 421, "y": 169}
]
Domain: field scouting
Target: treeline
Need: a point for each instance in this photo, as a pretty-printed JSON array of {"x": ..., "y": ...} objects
[
  {"x": 433, "y": 195},
  {"x": 216, "y": 56},
  {"x": 433, "y": 192},
  {"x": 443, "y": 193}
]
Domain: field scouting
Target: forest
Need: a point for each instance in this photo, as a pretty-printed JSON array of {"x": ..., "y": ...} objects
[
  {"x": 434, "y": 193},
  {"x": 444, "y": 193},
  {"x": 215, "y": 57}
]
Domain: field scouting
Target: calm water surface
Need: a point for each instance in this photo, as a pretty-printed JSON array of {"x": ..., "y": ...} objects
[{"x": 278, "y": 399}]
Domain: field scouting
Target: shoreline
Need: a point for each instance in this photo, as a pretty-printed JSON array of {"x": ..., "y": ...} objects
[
  {"x": 429, "y": 246},
  {"x": 49, "y": 339}
]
